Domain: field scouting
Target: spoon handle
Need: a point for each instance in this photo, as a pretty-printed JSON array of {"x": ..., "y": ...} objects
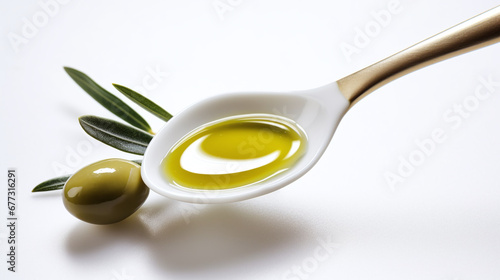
[{"x": 477, "y": 32}]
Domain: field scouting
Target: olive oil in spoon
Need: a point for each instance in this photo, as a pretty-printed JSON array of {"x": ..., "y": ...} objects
[{"x": 235, "y": 152}]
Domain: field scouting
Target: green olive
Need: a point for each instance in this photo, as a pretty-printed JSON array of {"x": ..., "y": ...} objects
[{"x": 105, "y": 192}]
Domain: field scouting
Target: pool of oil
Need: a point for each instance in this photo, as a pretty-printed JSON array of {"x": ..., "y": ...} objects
[{"x": 234, "y": 152}]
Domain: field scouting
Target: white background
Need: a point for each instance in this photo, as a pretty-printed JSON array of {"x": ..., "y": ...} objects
[{"x": 442, "y": 222}]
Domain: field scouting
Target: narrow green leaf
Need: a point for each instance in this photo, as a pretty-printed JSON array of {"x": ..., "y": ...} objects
[
  {"x": 52, "y": 184},
  {"x": 108, "y": 100},
  {"x": 115, "y": 134},
  {"x": 144, "y": 102}
]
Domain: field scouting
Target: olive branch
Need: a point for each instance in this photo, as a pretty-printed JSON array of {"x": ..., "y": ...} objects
[{"x": 132, "y": 138}]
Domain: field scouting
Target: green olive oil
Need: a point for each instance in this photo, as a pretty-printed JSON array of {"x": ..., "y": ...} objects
[{"x": 235, "y": 152}]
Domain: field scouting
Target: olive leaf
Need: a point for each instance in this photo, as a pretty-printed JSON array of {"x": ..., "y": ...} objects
[
  {"x": 115, "y": 134},
  {"x": 108, "y": 100},
  {"x": 52, "y": 184},
  {"x": 59, "y": 182},
  {"x": 144, "y": 102}
]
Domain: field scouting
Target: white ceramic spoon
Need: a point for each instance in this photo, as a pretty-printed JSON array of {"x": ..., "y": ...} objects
[{"x": 317, "y": 111}]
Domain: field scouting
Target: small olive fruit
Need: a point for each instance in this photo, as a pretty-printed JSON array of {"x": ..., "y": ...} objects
[{"x": 105, "y": 192}]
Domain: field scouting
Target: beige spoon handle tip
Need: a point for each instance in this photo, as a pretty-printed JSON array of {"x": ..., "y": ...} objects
[{"x": 477, "y": 32}]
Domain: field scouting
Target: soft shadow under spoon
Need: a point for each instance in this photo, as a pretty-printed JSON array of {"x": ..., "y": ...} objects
[{"x": 317, "y": 111}]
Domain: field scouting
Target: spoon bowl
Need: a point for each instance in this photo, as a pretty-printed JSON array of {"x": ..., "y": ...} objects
[{"x": 317, "y": 111}]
